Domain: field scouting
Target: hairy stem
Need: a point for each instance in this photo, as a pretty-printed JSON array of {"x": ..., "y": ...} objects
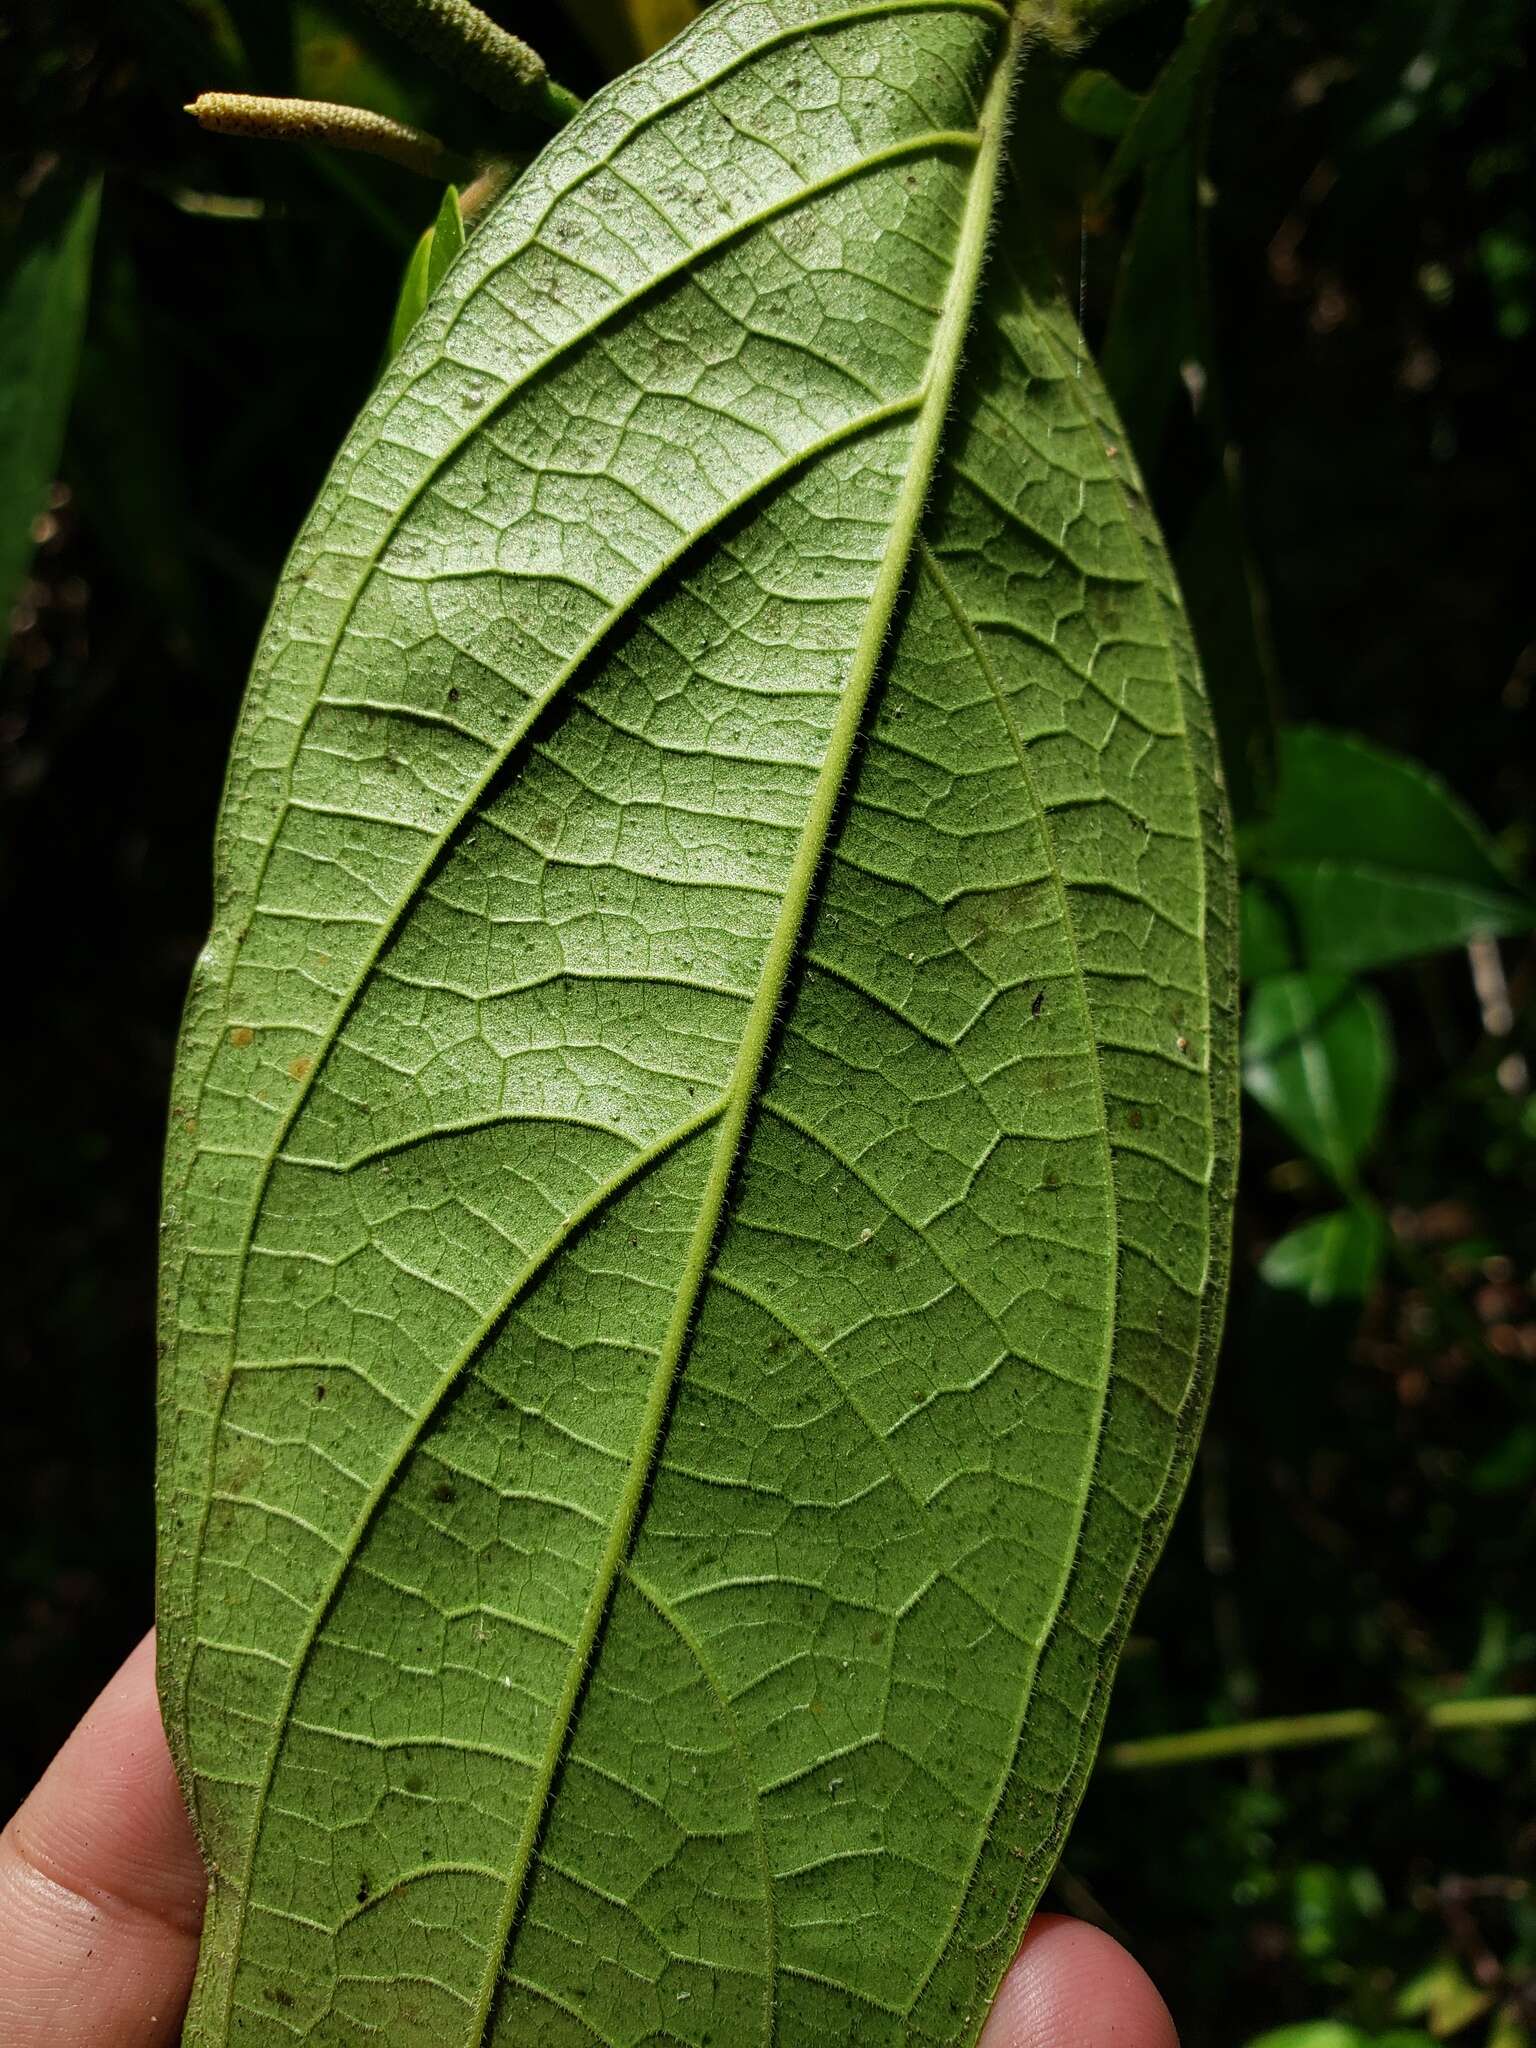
[
  {"x": 480, "y": 53},
  {"x": 287, "y": 120},
  {"x": 1301, "y": 1731}
]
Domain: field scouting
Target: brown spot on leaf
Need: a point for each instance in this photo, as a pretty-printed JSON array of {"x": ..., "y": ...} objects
[
  {"x": 241, "y": 1035},
  {"x": 300, "y": 1067}
]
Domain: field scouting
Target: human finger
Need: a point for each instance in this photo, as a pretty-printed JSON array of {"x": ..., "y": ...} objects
[
  {"x": 1072, "y": 1986},
  {"x": 101, "y": 1885}
]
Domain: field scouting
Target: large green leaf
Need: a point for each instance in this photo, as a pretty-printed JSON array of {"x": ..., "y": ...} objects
[
  {"x": 1329, "y": 1258},
  {"x": 1367, "y": 858},
  {"x": 1317, "y": 1053},
  {"x": 45, "y": 282},
  {"x": 699, "y": 1170}
]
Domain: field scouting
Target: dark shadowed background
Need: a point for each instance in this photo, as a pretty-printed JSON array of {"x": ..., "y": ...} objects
[{"x": 1359, "y": 1532}]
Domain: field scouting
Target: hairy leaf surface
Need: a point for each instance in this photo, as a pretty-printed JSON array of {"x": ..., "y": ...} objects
[{"x": 697, "y": 1199}]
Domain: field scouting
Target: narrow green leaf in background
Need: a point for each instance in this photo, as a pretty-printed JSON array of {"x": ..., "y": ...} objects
[
  {"x": 1335, "y": 2034},
  {"x": 701, "y": 1155},
  {"x": 1314, "y": 2034},
  {"x": 1367, "y": 858},
  {"x": 447, "y": 239},
  {"x": 1331, "y": 1258},
  {"x": 45, "y": 282},
  {"x": 428, "y": 265},
  {"x": 1317, "y": 1054}
]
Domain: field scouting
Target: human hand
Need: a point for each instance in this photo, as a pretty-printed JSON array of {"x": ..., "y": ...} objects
[{"x": 101, "y": 1897}]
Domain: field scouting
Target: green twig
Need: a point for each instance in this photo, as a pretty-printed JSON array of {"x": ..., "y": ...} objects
[
  {"x": 1302, "y": 1731},
  {"x": 480, "y": 54},
  {"x": 287, "y": 120}
]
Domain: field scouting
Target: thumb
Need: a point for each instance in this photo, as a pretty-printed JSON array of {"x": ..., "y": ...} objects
[
  {"x": 101, "y": 1887},
  {"x": 1072, "y": 1987}
]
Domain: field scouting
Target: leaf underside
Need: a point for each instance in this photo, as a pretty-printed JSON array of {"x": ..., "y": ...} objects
[{"x": 700, "y": 1158}]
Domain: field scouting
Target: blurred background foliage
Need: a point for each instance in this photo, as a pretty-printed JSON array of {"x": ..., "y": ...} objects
[{"x": 1304, "y": 242}]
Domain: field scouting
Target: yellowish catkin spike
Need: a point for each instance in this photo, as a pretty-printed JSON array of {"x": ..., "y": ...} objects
[
  {"x": 479, "y": 52},
  {"x": 289, "y": 120}
]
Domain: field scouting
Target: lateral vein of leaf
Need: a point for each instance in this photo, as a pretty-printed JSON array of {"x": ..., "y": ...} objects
[
  {"x": 948, "y": 341},
  {"x": 685, "y": 1636},
  {"x": 876, "y": 1436},
  {"x": 920, "y": 1231},
  {"x": 547, "y": 1997},
  {"x": 630, "y": 1173},
  {"x": 544, "y": 1119}
]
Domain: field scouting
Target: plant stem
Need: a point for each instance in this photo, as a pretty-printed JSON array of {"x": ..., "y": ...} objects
[
  {"x": 286, "y": 120},
  {"x": 480, "y": 54},
  {"x": 1301, "y": 1731}
]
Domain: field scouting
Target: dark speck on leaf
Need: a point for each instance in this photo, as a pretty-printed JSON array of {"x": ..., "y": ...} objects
[
  {"x": 445, "y": 1492},
  {"x": 1038, "y": 1004}
]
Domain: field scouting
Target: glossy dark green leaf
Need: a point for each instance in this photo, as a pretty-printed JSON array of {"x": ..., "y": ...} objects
[
  {"x": 1158, "y": 322},
  {"x": 1336, "y": 1257},
  {"x": 1368, "y": 858},
  {"x": 1160, "y": 362},
  {"x": 45, "y": 282},
  {"x": 1317, "y": 1054},
  {"x": 1225, "y": 601},
  {"x": 1269, "y": 940},
  {"x": 702, "y": 1144}
]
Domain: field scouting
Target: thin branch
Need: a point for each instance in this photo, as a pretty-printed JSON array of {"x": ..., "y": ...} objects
[
  {"x": 480, "y": 54},
  {"x": 285, "y": 120},
  {"x": 1302, "y": 1731}
]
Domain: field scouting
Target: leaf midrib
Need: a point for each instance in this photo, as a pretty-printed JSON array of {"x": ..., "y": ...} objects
[{"x": 943, "y": 363}]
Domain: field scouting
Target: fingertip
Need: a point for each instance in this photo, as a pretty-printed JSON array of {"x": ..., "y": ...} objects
[
  {"x": 108, "y": 1814},
  {"x": 1071, "y": 1986},
  {"x": 101, "y": 1885}
]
